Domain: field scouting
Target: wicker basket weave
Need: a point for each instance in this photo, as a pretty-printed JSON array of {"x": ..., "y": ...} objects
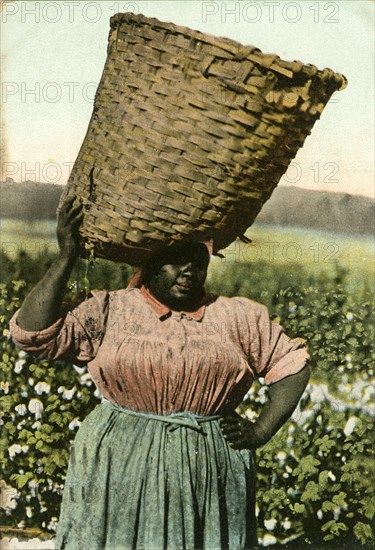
[{"x": 189, "y": 135}]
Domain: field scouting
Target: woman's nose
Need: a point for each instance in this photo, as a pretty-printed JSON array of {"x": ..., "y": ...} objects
[{"x": 187, "y": 269}]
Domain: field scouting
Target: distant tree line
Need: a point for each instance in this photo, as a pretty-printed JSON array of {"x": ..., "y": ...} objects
[{"x": 288, "y": 206}]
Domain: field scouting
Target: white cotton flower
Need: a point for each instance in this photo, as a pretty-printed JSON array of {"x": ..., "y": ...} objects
[
  {"x": 31, "y": 381},
  {"x": 42, "y": 387},
  {"x": 331, "y": 476},
  {"x": 338, "y": 405},
  {"x": 336, "y": 513},
  {"x": 18, "y": 366},
  {"x": 29, "y": 511},
  {"x": 270, "y": 524},
  {"x": 290, "y": 441},
  {"x": 97, "y": 393},
  {"x": 368, "y": 394},
  {"x": 350, "y": 425},
  {"x": 349, "y": 315},
  {"x": 66, "y": 394},
  {"x": 21, "y": 409},
  {"x": 281, "y": 456},
  {"x": 80, "y": 370},
  {"x": 13, "y": 450},
  {"x": 343, "y": 388},
  {"x": 250, "y": 415},
  {"x": 319, "y": 514},
  {"x": 75, "y": 423},
  {"x": 358, "y": 388},
  {"x": 16, "y": 449},
  {"x": 268, "y": 540},
  {"x": 348, "y": 358},
  {"x": 262, "y": 395},
  {"x": 318, "y": 392},
  {"x": 301, "y": 417},
  {"x": 36, "y": 407},
  {"x": 286, "y": 524},
  {"x": 86, "y": 379},
  {"x": 52, "y": 524}
]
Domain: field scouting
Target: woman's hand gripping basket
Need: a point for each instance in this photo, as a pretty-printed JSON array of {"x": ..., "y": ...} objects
[{"x": 189, "y": 135}]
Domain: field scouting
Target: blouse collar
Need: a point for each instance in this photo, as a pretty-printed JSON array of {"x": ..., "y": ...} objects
[{"x": 163, "y": 311}]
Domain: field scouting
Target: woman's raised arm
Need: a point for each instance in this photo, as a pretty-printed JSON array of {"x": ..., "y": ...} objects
[{"x": 42, "y": 306}]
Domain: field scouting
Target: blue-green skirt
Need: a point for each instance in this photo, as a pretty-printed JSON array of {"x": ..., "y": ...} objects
[{"x": 137, "y": 483}]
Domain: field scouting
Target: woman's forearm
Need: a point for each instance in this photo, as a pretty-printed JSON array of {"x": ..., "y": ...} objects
[
  {"x": 42, "y": 306},
  {"x": 283, "y": 398}
]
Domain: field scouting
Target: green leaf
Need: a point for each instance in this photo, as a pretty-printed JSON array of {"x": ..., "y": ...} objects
[
  {"x": 363, "y": 532},
  {"x": 22, "y": 479}
]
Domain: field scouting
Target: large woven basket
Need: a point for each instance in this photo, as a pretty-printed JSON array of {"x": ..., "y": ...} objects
[{"x": 189, "y": 135}]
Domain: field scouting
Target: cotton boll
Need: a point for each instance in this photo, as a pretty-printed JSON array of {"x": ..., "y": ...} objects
[
  {"x": 18, "y": 366},
  {"x": 336, "y": 513},
  {"x": 318, "y": 393},
  {"x": 250, "y": 415},
  {"x": 270, "y": 524},
  {"x": 98, "y": 394},
  {"x": 86, "y": 380},
  {"x": 75, "y": 423},
  {"x": 281, "y": 457},
  {"x": 368, "y": 394},
  {"x": 268, "y": 540},
  {"x": 331, "y": 476},
  {"x": 16, "y": 449},
  {"x": 42, "y": 387},
  {"x": 36, "y": 407},
  {"x": 350, "y": 425},
  {"x": 80, "y": 370},
  {"x": 66, "y": 394},
  {"x": 21, "y": 409},
  {"x": 13, "y": 450}
]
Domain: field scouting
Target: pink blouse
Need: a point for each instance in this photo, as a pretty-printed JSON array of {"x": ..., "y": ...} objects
[{"x": 145, "y": 357}]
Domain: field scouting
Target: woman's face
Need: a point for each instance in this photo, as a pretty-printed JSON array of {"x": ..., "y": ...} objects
[{"x": 178, "y": 280}]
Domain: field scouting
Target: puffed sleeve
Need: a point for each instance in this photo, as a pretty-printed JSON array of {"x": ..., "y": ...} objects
[
  {"x": 76, "y": 337},
  {"x": 271, "y": 353}
]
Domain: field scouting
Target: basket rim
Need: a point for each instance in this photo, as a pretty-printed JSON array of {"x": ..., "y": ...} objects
[{"x": 239, "y": 51}]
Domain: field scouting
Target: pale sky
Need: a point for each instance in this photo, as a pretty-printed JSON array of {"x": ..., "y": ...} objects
[{"x": 53, "y": 55}]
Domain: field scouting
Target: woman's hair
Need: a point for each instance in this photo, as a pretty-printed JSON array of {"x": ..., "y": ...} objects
[{"x": 178, "y": 252}]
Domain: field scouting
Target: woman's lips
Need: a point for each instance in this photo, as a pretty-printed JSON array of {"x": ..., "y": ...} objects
[{"x": 185, "y": 286}]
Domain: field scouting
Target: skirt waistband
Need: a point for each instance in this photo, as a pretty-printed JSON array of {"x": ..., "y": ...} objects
[{"x": 174, "y": 420}]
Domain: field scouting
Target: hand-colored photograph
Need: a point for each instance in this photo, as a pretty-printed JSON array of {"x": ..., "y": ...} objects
[{"x": 187, "y": 275}]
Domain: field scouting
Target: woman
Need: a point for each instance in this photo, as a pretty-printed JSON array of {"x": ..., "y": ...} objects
[{"x": 164, "y": 461}]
